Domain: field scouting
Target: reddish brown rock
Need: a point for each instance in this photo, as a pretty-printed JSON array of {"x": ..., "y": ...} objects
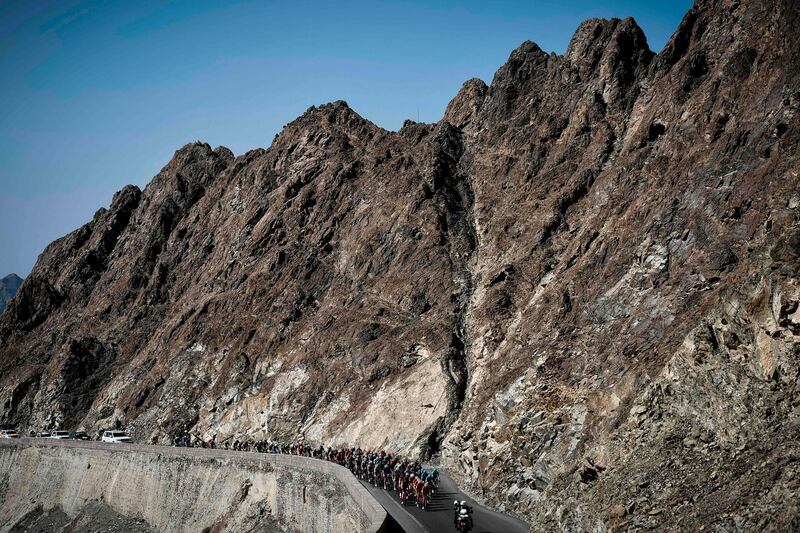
[{"x": 553, "y": 288}]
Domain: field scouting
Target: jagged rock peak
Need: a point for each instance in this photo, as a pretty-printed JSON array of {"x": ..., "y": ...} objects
[
  {"x": 594, "y": 36},
  {"x": 462, "y": 109},
  {"x": 612, "y": 52},
  {"x": 224, "y": 153},
  {"x": 192, "y": 168},
  {"x": 526, "y": 66},
  {"x": 199, "y": 151},
  {"x": 319, "y": 123},
  {"x": 713, "y": 27},
  {"x": 126, "y": 198},
  {"x": 193, "y": 148},
  {"x": 528, "y": 53},
  {"x": 337, "y": 112},
  {"x": 526, "y": 49},
  {"x": 415, "y": 131}
]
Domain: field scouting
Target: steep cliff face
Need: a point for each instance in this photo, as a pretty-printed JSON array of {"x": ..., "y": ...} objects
[
  {"x": 303, "y": 288},
  {"x": 633, "y": 333},
  {"x": 579, "y": 288}
]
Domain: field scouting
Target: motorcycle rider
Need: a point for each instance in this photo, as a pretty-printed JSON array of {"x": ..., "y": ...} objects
[{"x": 462, "y": 511}]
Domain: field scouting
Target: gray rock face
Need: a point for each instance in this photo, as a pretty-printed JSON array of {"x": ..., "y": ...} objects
[
  {"x": 9, "y": 286},
  {"x": 579, "y": 288}
]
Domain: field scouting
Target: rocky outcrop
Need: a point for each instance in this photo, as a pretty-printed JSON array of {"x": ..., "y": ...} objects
[
  {"x": 9, "y": 286},
  {"x": 578, "y": 289}
]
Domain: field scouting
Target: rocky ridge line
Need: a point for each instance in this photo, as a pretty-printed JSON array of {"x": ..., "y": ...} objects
[{"x": 579, "y": 288}]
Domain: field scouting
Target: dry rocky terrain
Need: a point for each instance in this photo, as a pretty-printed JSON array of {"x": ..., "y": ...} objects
[
  {"x": 578, "y": 290},
  {"x": 94, "y": 518}
]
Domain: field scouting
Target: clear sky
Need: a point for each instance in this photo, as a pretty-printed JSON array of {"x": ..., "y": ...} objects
[{"x": 99, "y": 94}]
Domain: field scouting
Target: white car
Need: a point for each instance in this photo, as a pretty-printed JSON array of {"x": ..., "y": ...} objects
[
  {"x": 9, "y": 434},
  {"x": 115, "y": 437},
  {"x": 59, "y": 435}
]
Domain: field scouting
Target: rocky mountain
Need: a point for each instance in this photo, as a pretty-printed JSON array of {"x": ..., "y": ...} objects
[
  {"x": 578, "y": 290},
  {"x": 9, "y": 286}
]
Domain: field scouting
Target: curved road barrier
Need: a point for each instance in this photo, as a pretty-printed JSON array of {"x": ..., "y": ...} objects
[{"x": 184, "y": 489}]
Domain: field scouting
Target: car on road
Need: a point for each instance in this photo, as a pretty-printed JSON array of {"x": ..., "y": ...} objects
[
  {"x": 59, "y": 435},
  {"x": 79, "y": 435},
  {"x": 115, "y": 437},
  {"x": 43, "y": 435},
  {"x": 9, "y": 434}
]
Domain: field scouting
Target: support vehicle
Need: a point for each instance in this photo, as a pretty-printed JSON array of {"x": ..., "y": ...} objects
[{"x": 116, "y": 437}]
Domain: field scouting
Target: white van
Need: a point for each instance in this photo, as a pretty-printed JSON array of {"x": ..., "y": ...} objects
[{"x": 115, "y": 437}]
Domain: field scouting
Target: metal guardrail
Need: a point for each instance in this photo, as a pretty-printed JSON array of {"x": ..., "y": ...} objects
[{"x": 375, "y": 513}]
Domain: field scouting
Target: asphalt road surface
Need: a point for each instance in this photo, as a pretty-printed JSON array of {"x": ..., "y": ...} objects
[{"x": 439, "y": 515}]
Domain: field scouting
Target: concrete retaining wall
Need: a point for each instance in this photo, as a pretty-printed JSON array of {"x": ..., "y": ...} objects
[{"x": 180, "y": 489}]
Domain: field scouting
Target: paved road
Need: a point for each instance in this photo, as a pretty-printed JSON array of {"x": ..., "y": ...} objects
[{"x": 439, "y": 517}]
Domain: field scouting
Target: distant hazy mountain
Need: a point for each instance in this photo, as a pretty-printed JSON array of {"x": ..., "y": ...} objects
[{"x": 9, "y": 286}]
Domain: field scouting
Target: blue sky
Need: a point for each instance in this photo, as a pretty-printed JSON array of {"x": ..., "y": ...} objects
[{"x": 100, "y": 94}]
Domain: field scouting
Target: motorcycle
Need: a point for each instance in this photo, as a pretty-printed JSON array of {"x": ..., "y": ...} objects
[{"x": 463, "y": 524}]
